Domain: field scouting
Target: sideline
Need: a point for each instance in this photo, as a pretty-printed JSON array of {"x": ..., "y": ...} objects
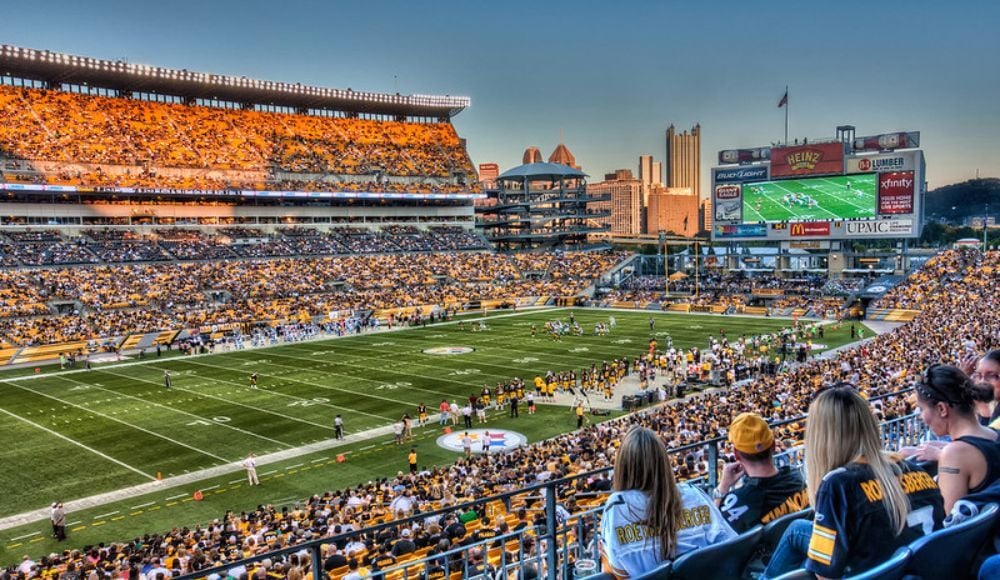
[{"x": 194, "y": 476}]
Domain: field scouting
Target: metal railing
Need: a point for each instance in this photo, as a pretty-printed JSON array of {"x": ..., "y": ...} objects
[{"x": 559, "y": 541}]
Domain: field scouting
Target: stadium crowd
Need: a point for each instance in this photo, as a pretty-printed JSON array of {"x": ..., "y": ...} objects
[
  {"x": 935, "y": 277},
  {"x": 130, "y": 298},
  {"x": 963, "y": 320},
  {"x": 48, "y": 248},
  {"x": 123, "y": 142},
  {"x": 733, "y": 291}
]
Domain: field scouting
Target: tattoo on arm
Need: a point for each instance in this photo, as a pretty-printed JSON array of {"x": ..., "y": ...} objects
[{"x": 949, "y": 470}]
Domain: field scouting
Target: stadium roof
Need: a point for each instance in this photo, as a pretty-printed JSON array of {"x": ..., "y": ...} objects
[
  {"x": 57, "y": 68},
  {"x": 541, "y": 171}
]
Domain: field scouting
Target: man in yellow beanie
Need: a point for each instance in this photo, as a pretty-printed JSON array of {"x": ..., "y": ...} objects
[{"x": 752, "y": 490}]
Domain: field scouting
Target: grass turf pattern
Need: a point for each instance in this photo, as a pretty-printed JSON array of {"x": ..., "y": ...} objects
[{"x": 81, "y": 433}]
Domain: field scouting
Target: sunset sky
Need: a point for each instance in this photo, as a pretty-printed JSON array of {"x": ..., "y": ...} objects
[{"x": 610, "y": 75}]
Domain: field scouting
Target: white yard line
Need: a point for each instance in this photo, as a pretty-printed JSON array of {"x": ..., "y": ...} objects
[
  {"x": 127, "y": 424},
  {"x": 175, "y": 387},
  {"x": 78, "y": 444},
  {"x": 177, "y": 410},
  {"x": 322, "y": 386}
]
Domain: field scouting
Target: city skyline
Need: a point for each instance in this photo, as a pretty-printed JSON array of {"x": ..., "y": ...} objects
[{"x": 610, "y": 80}]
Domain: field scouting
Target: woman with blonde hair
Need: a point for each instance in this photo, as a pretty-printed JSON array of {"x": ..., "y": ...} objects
[
  {"x": 868, "y": 502},
  {"x": 649, "y": 519}
]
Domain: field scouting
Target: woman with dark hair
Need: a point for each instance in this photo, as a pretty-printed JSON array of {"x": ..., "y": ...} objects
[
  {"x": 971, "y": 461},
  {"x": 649, "y": 520}
]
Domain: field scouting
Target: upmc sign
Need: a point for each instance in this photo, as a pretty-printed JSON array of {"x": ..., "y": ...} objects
[
  {"x": 895, "y": 192},
  {"x": 879, "y": 228},
  {"x": 741, "y": 174},
  {"x": 819, "y": 159},
  {"x": 808, "y": 229}
]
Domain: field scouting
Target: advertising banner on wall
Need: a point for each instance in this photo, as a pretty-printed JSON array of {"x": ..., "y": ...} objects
[
  {"x": 807, "y": 229},
  {"x": 741, "y": 231},
  {"x": 728, "y": 202},
  {"x": 895, "y": 192},
  {"x": 818, "y": 159},
  {"x": 879, "y": 228},
  {"x": 902, "y": 161},
  {"x": 740, "y": 174},
  {"x": 904, "y": 140}
]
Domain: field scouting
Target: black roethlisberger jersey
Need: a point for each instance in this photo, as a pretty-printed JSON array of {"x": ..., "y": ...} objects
[
  {"x": 851, "y": 532},
  {"x": 760, "y": 500}
]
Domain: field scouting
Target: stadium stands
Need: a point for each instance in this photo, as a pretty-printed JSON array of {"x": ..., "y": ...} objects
[
  {"x": 77, "y": 139},
  {"x": 116, "y": 301},
  {"x": 883, "y": 368},
  {"x": 739, "y": 292}
]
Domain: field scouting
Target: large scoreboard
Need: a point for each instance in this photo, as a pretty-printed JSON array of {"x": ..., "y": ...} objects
[{"x": 830, "y": 190}]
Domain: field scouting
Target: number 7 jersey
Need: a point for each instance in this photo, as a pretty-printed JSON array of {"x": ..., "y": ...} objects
[{"x": 852, "y": 533}]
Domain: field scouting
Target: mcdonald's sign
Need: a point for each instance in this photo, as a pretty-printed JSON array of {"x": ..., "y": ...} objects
[{"x": 809, "y": 229}]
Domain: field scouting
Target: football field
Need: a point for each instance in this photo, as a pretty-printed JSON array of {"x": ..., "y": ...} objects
[
  {"x": 837, "y": 197},
  {"x": 74, "y": 434}
]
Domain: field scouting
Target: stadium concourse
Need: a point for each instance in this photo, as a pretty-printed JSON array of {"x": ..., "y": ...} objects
[{"x": 960, "y": 315}]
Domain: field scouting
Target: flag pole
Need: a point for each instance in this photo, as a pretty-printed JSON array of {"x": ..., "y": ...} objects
[{"x": 786, "y": 115}]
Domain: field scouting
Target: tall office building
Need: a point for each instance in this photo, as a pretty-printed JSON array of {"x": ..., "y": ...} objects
[
  {"x": 650, "y": 171},
  {"x": 705, "y": 214},
  {"x": 651, "y": 175},
  {"x": 673, "y": 210},
  {"x": 625, "y": 203},
  {"x": 646, "y": 169},
  {"x": 684, "y": 159}
]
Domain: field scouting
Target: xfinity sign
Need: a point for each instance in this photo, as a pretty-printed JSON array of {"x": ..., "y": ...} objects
[
  {"x": 879, "y": 228},
  {"x": 739, "y": 174}
]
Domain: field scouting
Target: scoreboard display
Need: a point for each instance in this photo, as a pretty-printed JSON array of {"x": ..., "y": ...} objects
[{"x": 820, "y": 191}]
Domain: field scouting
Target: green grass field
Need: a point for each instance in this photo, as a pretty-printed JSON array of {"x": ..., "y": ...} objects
[
  {"x": 80, "y": 433},
  {"x": 833, "y": 200}
]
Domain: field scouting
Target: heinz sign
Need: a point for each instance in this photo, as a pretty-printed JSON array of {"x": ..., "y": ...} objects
[
  {"x": 819, "y": 159},
  {"x": 895, "y": 192}
]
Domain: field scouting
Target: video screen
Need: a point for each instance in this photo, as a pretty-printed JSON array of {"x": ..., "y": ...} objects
[{"x": 838, "y": 197}]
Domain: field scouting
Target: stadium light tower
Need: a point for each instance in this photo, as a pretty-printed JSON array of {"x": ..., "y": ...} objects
[{"x": 986, "y": 225}]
